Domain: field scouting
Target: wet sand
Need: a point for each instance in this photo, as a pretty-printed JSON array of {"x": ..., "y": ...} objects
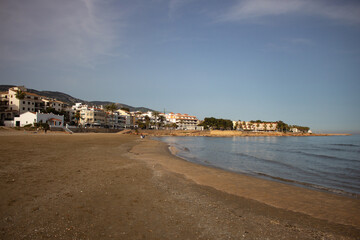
[{"x": 112, "y": 186}]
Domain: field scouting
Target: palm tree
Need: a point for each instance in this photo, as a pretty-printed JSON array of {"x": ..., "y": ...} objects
[
  {"x": 111, "y": 108},
  {"x": 162, "y": 119},
  {"x": 20, "y": 94},
  {"x": 182, "y": 123},
  {"x": 147, "y": 121},
  {"x": 156, "y": 115},
  {"x": 77, "y": 117}
]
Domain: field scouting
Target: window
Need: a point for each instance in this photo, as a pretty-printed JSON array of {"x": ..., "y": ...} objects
[
  {"x": 23, "y": 102},
  {"x": 28, "y": 103},
  {"x": 28, "y": 109},
  {"x": 23, "y": 108}
]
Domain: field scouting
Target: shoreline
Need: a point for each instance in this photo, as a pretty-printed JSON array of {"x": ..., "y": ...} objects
[
  {"x": 227, "y": 133},
  {"x": 175, "y": 150},
  {"x": 118, "y": 186},
  {"x": 315, "y": 203}
]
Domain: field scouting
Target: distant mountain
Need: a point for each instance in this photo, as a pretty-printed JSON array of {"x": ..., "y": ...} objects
[{"x": 72, "y": 100}]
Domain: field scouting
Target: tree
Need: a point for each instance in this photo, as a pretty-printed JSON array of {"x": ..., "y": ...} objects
[
  {"x": 125, "y": 109},
  {"x": 141, "y": 124},
  {"x": 162, "y": 119},
  {"x": 111, "y": 108},
  {"x": 147, "y": 122},
  {"x": 282, "y": 127},
  {"x": 77, "y": 118},
  {"x": 213, "y": 123},
  {"x": 156, "y": 115},
  {"x": 182, "y": 123},
  {"x": 20, "y": 94}
]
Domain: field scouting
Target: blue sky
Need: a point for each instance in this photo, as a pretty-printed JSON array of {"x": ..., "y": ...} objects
[{"x": 291, "y": 60}]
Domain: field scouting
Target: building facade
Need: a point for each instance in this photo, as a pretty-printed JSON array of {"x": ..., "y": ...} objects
[{"x": 35, "y": 117}]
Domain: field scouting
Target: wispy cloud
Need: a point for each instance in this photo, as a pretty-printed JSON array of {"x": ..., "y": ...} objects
[
  {"x": 67, "y": 31},
  {"x": 290, "y": 45},
  {"x": 348, "y": 11},
  {"x": 300, "y": 41},
  {"x": 175, "y": 5}
]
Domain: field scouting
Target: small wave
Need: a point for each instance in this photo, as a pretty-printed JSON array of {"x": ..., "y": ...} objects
[
  {"x": 342, "y": 150},
  {"x": 346, "y": 144},
  {"x": 309, "y": 185},
  {"x": 270, "y": 161},
  {"x": 326, "y": 156}
]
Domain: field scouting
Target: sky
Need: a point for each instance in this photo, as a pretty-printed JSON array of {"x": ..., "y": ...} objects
[{"x": 292, "y": 60}]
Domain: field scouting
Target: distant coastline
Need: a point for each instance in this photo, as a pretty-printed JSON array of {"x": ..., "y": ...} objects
[{"x": 229, "y": 133}]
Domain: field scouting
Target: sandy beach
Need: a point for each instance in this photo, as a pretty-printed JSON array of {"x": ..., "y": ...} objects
[{"x": 116, "y": 186}]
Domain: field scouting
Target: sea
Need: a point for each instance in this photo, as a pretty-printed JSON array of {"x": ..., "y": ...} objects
[{"x": 325, "y": 163}]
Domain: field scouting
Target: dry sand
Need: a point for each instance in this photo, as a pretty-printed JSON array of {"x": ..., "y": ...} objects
[{"x": 111, "y": 186}]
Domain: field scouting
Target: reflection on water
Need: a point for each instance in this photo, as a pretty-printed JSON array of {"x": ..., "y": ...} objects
[{"x": 327, "y": 163}]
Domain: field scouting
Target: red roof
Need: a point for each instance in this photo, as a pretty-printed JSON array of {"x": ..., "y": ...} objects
[{"x": 54, "y": 119}]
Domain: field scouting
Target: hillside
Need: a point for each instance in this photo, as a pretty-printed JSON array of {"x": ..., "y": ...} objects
[{"x": 72, "y": 100}]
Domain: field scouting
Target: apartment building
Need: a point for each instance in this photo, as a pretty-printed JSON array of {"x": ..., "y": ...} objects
[
  {"x": 12, "y": 105},
  {"x": 5, "y": 113},
  {"x": 30, "y": 102},
  {"x": 130, "y": 119},
  {"x": 92, "y": 117},
  {"x": 55, "y": 104},
  {"x": 183, "y": 121},
  {"x": 115, "y": 120},
  {"x": 254, "y": 126}
]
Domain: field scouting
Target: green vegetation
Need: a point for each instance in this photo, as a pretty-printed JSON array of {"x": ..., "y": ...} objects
[
  {"x": 111, "y": 108},
  {"x": 217, "y": 124},
  {"x": 20, "y": 94},
  {"x": 125, "y": 109},
  {"x": 301, "y": 128},
  {"x": 42, "y": 126},
  {"x": 283, "y": 127}
]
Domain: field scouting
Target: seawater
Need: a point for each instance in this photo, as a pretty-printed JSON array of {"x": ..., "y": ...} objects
[{"x": 329, "y": 163}]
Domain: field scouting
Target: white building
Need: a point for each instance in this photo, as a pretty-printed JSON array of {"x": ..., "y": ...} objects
[
  {"x": 255, "y": 126},
  {"x": 183, "y": 121},
  {"x": 129, "y": 118},
  {"x": 31, "y": 102},
  {"x": 35, "y": 117}
]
